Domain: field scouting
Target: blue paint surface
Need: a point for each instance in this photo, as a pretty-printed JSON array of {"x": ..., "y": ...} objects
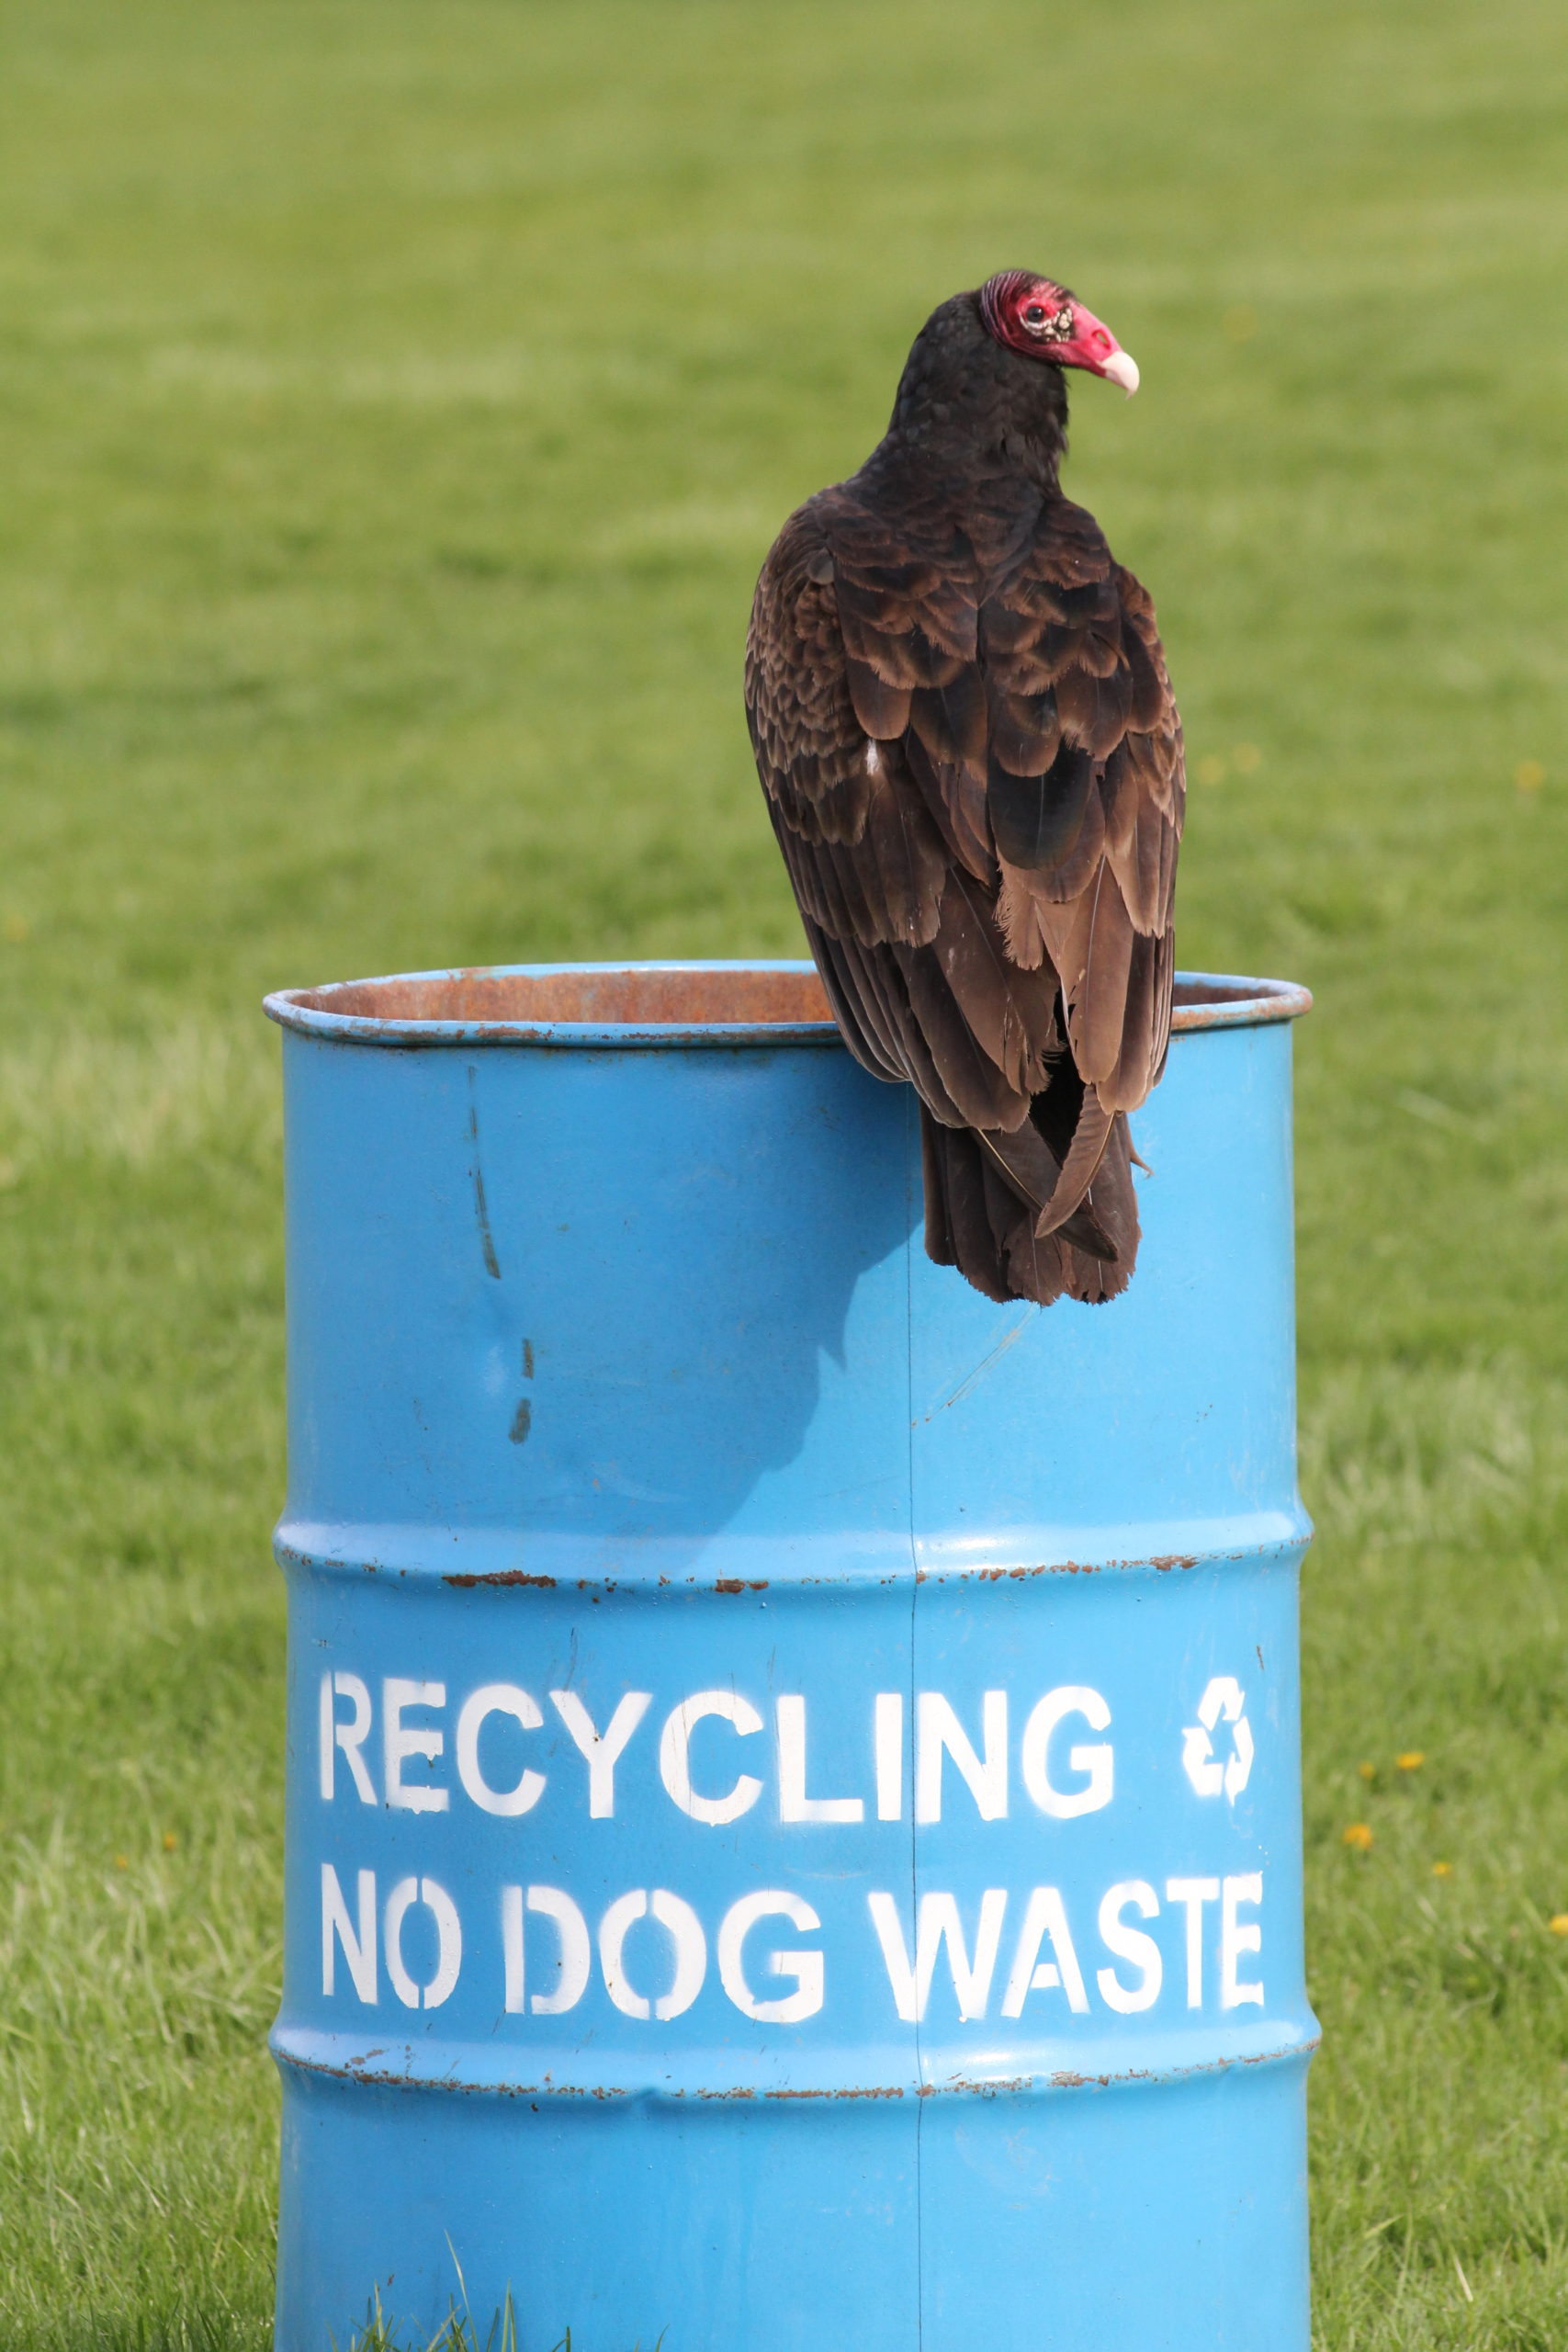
[{"x": 618, "y": 1368}]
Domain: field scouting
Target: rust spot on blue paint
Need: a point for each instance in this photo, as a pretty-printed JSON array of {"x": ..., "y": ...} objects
[
  {"x": 868, "y": 2090},
  {"x": 501, "y": 1576}
]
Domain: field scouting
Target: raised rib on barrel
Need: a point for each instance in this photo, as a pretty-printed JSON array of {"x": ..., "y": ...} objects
[{"x": 973, "y": 761}]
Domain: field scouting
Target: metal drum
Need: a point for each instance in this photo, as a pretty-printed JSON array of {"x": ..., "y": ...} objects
[{"x": 793, "y": 1826}]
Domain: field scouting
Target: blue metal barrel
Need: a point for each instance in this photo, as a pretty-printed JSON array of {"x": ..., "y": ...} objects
[{"x": 793, "y": 1825}]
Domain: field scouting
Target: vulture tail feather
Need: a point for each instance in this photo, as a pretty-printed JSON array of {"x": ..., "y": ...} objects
[{"x": 980, "y": 1219}]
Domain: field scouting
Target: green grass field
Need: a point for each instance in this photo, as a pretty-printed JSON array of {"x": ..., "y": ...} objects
[{"x": 396, "y": 400}]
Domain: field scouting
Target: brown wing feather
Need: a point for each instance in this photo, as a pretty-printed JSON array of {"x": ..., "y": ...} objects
[
  {"x": 1093, "y": 896},
  {"x": 975, "y": 773}
]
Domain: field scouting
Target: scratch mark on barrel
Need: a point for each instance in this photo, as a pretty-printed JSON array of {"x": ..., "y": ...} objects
[
  {"x": 1008, "y": 1340},
  {"x": 481, "y": 1213},
  {"x": 521, "y": 1423}
]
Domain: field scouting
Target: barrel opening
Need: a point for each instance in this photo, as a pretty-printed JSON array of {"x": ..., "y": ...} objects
[
  {"x": 632, "y": 998},
  {"x": 652, "y": 1004}
]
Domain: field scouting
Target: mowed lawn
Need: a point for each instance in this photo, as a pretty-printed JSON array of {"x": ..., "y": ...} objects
[{"x": 396, "y": 401}]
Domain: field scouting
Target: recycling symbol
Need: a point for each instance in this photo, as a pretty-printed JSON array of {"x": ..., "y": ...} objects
[{"x": 1225, "y": 1696}]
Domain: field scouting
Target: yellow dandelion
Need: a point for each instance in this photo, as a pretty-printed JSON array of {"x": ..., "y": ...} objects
[
  {"x": 1358, "y": 1834},
  {"x": 1211, "y": 769},
  {"x": 170, "y": 1841},
  {"x": 1368, "y": 1771},
  {"x": 1529, "y": 775},
  {"x": 1557, "y": 1922},
  {"x": 1412, "y": 1759},
  {"x": 1442, "y": 1869},
  {"x": 120, "y": 1863},
  {"x": 1248, "y": 759},
  {"x": 16, "y": 928}
]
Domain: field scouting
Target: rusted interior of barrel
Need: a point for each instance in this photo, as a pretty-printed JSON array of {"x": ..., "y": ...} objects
[{"x": 635, "y": 999}]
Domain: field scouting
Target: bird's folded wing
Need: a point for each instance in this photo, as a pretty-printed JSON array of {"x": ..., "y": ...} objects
[
  {"x": 904, "y": 932},
  {"x": 972, "y": 797},
  {"x": 1086, "y": 792}
]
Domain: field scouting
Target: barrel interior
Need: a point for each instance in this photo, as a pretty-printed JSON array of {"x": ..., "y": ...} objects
[{"x": 632, "y": 997}]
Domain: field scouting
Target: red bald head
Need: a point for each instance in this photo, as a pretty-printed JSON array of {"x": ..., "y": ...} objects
[{"x": 1034, "y": 315}]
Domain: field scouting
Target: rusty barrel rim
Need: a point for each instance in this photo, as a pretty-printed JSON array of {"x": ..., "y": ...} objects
[{"x": 671, "y": 1003}]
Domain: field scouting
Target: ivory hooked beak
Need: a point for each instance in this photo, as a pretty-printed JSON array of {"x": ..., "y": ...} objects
[{"x": 1123, "y": 368}]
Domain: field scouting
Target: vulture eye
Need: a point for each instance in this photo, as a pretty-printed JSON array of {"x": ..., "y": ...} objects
[{"x": 1034, "y": 316}]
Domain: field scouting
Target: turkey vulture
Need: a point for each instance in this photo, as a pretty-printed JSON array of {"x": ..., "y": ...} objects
[{"x": 973, "y": 761}]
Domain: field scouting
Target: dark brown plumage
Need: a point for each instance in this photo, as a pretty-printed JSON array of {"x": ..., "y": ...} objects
[{"x": 973, "y": 761}]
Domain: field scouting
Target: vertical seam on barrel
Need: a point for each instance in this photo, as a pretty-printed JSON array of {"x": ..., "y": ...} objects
[{"x": 910, "y": 1130}]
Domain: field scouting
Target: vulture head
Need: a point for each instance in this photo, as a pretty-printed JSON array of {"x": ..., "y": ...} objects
[{"x": 1035, "y": 316}]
